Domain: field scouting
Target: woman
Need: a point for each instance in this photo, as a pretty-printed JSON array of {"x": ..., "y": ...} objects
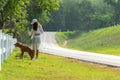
[{"x": 36, "y": 31}]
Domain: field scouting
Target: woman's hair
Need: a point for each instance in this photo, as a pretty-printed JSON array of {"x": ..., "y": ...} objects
[{"x": 35, "y": 26}]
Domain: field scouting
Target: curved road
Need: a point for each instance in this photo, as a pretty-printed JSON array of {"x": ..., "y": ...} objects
[{"x": 48, "y": 45}]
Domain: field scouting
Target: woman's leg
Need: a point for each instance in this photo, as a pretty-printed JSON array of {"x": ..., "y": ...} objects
[
  {"x": 37, "y": 52},
  {"x": 37, "y": 47},
  {"x": 34, "y": 44}
]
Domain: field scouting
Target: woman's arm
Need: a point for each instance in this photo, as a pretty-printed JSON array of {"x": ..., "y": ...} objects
[
  {"x": 32, "y": 34},
  {"x": 41, "y": 29}
]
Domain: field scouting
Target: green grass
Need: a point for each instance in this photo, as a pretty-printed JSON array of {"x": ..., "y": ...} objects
[
  {"x": 49, "y": 67},
  {"x": 106, "y": 41}
]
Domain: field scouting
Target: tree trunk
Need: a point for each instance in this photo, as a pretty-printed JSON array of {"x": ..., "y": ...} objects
[{"x": 1, "y": 25}]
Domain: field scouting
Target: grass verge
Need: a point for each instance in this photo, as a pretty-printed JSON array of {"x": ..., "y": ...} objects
[{"x": 49, "y": 67}]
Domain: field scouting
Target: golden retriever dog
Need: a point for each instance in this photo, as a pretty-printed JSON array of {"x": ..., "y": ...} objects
[{"x": 25, "y": 48}]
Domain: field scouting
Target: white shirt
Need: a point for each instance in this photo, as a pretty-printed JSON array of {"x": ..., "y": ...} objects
[{"x": 39, "y": 32}]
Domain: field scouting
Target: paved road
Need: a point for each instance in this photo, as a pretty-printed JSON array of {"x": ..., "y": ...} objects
[{"x": 49, "y": 46}]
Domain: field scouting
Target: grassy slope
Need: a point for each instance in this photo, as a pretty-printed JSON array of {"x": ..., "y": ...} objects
[
  {"x": 106, "y": 40},
  {"x": 49, "y": 67}
]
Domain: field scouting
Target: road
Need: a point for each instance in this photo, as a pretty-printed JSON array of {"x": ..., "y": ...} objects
[{"x": 48, "y": 45}]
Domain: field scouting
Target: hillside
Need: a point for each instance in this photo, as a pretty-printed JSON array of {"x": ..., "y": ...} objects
[{"x": 106, "y": 40}]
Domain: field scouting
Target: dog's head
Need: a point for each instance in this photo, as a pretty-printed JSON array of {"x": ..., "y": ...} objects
[{"x": 18, "y": 44}]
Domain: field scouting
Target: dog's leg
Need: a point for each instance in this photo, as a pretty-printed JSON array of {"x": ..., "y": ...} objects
[
  {"x": 21, "y": 56},
  {"x": 30, "y": 54}
]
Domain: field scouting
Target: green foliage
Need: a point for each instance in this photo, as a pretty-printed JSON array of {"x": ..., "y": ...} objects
[
  {"x": 101, "y": 20},
  {"x": 81, "y": 15},
  {"x": 2, "y": 3},
  {"x": 13, "y": 18},
  {"x": 13, "y": 11},
  {"x": 41, "y": 9},
  {"x": 115, "y": 5},
  {"x": 16, "y": 15}
]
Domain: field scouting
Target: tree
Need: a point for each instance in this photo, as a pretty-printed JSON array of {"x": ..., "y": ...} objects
[
  {"x": 79, "y": 18},
  {"x": 57, "y": 21},
  {"x": 13, "y": 9},
  {"x": 116, "y": 15},
  {"x": 41, "y": 9},
  {"x": 16, "y": 15},
  {"x": 81, "y": 15}
]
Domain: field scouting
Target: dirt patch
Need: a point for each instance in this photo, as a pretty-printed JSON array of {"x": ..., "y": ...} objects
[{"x": 65, "y": 43}]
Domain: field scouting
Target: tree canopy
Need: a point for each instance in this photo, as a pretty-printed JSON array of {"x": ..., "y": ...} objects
[
  {"x": 85, "y": 15},
  {"x": 16, "y": 15}
]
